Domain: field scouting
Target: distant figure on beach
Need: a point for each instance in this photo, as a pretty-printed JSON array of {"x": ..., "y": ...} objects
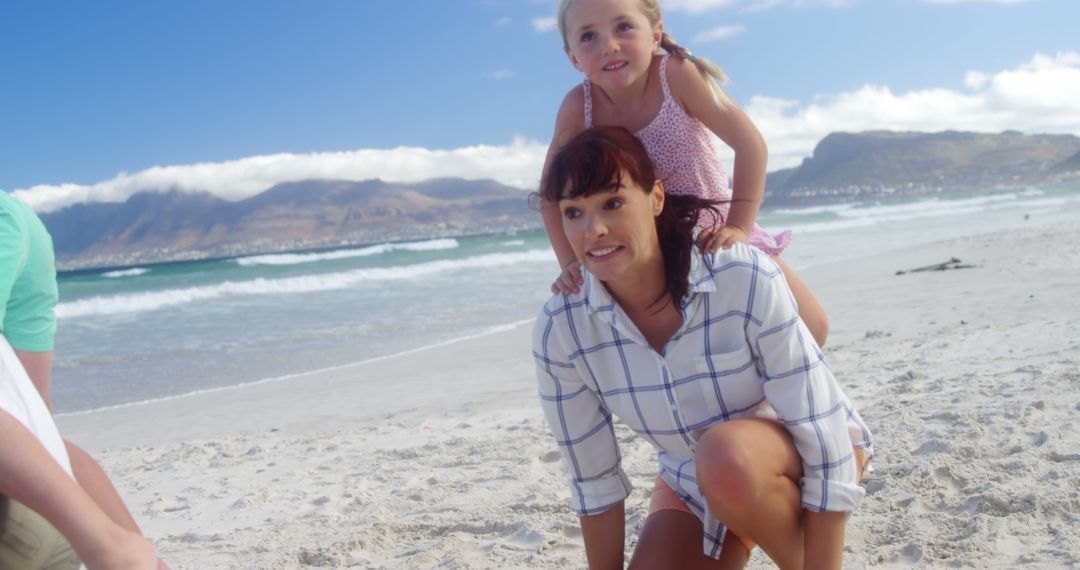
[
  {"x": 28, "y": 295},
  {"x": 637, "y": 77},
  {"x": 704, "y": 355}
]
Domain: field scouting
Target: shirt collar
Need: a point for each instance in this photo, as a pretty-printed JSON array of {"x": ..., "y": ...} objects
[
  {"x": 600, "y": 301},
  {"x": 701, "y": 272}
]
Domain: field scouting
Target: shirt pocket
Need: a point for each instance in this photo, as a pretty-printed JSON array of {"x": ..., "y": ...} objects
[{"x": 729, "y": 382}]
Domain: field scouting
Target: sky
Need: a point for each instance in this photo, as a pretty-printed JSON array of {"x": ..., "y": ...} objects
[{"x": 99, "y": 100}]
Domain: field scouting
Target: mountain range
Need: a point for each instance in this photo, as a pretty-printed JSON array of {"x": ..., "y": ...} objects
[
  {"x": 880, "y": 164},
  {"x": 310, "y": 214}
]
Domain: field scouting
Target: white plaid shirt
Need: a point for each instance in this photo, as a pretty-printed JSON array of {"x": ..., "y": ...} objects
[{"x": 741, "y": 351}]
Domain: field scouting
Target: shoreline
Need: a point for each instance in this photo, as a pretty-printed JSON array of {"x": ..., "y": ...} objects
[
  {"x": 496, "y": 329},
  {"x": 441, "y": 458}
]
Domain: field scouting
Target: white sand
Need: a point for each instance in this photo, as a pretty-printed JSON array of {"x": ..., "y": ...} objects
[{"x": 970, "y": 379}]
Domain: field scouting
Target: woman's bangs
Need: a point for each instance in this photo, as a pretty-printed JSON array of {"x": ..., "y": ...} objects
[{"x": 596, "y": 168}]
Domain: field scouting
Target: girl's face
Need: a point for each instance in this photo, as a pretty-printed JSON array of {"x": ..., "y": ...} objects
[
  {"x": 613, "y": 232},
  {"x": 611, "y": 41}
]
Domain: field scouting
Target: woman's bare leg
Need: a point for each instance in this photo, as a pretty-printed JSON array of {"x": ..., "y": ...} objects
[
  {"x": 810, "y": 310},
  {"x": 749, "y": 472},
  {"x": 672, "y": 539}
]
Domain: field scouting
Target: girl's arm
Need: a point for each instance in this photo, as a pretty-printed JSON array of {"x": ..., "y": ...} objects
[
  {"x": 569, "y": 122},
  {"x": 604, "y": 538},
  {"x": 733, "y": 127}
]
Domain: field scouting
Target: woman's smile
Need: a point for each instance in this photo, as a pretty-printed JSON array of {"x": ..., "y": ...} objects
[{"x": 603, "y": 253}]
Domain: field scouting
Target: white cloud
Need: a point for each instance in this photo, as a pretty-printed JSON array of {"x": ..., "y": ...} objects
[
  {"x": 517, "y": 164},
  {"x": 545, "y": 24},
  {"x": 976, "y": 79},
  {"x": 720, "y": 33},
  {"x": 502, "y": 22},
  {"x": 700, "y": 6},
  {"x": 502, "y": 73},
  {"x": 1000, "y": 2},
  {"x": 1041, "y": 96}
]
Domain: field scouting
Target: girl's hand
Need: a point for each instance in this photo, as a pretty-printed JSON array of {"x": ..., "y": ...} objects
[
  {"x": 712, "y": 239},
  {"x": 569, "y": 281}
]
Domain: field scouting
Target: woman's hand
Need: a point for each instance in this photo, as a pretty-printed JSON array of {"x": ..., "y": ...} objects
[
  {"x": 712, "y": 239},
  {"x": 570, "y": 280}
]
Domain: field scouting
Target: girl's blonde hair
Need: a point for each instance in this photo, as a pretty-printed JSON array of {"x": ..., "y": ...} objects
[{"x": 712, "y": 74}]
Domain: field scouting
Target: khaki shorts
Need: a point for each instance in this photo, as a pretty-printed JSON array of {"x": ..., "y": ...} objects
[{"x": 29, "y": 542}]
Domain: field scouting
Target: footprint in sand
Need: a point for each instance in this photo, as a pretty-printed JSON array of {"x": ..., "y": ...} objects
[
  {"x": 551, "y": 457},
  {"x": 163, "y": 505}
]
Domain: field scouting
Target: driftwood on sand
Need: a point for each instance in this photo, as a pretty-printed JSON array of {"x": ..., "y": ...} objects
[{"x": 952, "y": 263}]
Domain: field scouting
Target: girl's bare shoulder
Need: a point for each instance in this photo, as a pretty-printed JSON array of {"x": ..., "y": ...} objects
[
  {"x": 684, "y": 78},
  {"x": 571, "y": 115}
]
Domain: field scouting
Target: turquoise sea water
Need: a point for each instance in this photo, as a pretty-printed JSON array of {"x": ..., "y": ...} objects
[{"x": 162, "y": 331}]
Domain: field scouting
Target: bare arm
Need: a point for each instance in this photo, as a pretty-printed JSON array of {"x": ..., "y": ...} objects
[
  {"x": 38, "y": 366},
  {"x": 733, "y": 127},
  {"x": 30, "y": 475},
  {"x": 604, "y": 537},
  {"x": 88, "y": 473},
  {"x": 569, "y": 122}
]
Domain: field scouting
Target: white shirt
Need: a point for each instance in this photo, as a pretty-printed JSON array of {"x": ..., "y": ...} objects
[
  {"x": 741, "y": 351},
  {"x": 20, "y": 399}
]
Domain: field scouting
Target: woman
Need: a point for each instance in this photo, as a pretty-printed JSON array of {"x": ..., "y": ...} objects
[{"x": 701, "y": 355}]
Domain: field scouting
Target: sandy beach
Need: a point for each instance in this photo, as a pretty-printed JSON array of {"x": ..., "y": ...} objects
[{"x": 440, "y": 458}]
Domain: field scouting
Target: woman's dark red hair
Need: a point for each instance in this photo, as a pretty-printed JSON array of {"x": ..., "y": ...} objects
[{"x": 596, "y": 160}]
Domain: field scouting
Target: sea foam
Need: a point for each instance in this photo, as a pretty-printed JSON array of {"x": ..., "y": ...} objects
[
  {"x": 125, "y": 272},
  {"x": 297, "y": 258},
  {"x": 154, "y": 300}
]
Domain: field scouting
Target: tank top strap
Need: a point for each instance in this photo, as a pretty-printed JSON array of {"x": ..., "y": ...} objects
[
  {"x": 587, "y": 87},
  {"x": 663, "y": 76}
]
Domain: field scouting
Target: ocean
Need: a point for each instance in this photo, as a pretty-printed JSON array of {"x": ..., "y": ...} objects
[{"x": 145, "y": 333}]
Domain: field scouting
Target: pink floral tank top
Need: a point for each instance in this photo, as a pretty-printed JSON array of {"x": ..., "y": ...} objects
[{"x": 681, "y": 148}]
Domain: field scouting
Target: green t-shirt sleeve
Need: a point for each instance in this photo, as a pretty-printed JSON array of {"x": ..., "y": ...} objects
[
  {"x": 28, "y": 289},
  {"x": 12, "y": 256}
]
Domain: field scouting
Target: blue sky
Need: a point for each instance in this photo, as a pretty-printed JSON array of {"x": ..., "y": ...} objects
[{"x": 101, "y": 99}]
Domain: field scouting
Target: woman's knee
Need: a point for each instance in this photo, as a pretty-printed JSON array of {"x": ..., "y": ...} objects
[
  {"x": 739, "y": 460},
  {"x": 725, "y": 467}
]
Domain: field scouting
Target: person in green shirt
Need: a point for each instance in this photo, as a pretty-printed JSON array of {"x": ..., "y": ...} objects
[{"x": 28, "y": 296}]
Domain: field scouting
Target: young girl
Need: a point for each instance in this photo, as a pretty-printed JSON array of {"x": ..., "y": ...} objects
[{"x": 670, "y": 102}]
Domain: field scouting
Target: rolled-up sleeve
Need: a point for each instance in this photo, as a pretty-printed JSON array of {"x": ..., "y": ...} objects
[
  {"x": 580, "y": 423},
  {"x": 804, "y": 392}
]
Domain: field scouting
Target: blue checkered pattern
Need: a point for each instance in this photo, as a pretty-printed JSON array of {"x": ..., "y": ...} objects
[{"x": 741, "y": 352}]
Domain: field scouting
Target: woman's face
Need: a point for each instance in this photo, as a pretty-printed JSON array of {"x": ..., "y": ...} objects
[{"x": 613, "y": 232}]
